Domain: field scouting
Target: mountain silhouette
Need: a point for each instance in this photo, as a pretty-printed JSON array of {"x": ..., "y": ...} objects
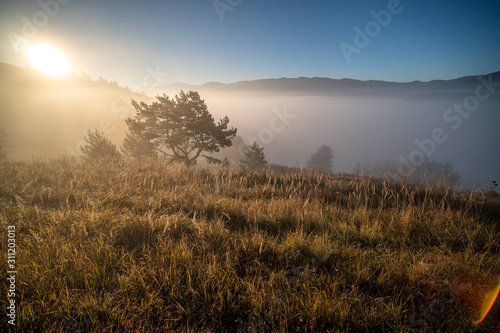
[{"x": 318, "y": 86}]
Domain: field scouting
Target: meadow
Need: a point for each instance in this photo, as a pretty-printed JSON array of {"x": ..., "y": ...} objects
[{"x": 149, "y": 246}]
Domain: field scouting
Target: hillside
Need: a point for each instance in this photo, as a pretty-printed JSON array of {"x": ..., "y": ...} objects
[
  {"x": 148, "y": 246},
  {"x": 47, "y": 117}
]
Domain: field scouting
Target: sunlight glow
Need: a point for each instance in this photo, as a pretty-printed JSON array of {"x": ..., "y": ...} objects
[
  {"x": 488, "y": 301},
  {"x": 476, "y": 295},
  {"x": 47, "y": 59}
]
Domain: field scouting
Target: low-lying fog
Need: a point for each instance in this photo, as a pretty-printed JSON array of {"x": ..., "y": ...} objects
[
  {"x": 41, "y": 120},
  {"x": 368, "y": 130}
]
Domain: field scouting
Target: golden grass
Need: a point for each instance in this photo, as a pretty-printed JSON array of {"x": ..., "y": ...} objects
[{"x": 150, "y": 246}]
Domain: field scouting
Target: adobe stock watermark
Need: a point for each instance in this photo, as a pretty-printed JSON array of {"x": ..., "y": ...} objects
[
  {"x": 372, "y": 29},
  {"x": 121, "y": 108},
  {"x": 277, "y": 124},
  {"x": 155, "y": 77},
  {"x": 30, "y": 26},
  {"x": 223, "y": 6},
  {"x": 453, "y": 116},
  {"x": 11, "y": 275}
]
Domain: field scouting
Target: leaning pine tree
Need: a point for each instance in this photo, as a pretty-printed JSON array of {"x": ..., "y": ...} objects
[
  {"x": 181, "y": 128},
  {"x": 254, "y": 157}
]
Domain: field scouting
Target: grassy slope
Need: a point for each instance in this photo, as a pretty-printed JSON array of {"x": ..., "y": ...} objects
[{"x": 146, "y": 246}]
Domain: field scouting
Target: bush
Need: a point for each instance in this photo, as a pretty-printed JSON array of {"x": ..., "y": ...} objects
[{"x": 98, "y": 146}]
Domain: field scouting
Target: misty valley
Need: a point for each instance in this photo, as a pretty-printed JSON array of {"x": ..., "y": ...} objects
[{"x": 368, "y": 123}]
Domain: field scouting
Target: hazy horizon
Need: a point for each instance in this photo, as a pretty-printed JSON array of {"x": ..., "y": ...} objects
[
  {"x": 159, "y": 42},
  {"x": 397, "y": 48},
  {"x": 365, "y": 128}
]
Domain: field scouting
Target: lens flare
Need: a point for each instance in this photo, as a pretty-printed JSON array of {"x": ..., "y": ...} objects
[
  {"x": 476, "y": 295},
  {"x": 488, "y": 302}
]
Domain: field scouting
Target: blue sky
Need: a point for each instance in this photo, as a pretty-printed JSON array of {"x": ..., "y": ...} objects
[{"x": 127, "y": 40}]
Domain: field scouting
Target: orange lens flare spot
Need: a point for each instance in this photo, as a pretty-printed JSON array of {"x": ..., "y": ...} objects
[
  {"x": 476, "y": 295},
  {"x": 488, "y": 302}
]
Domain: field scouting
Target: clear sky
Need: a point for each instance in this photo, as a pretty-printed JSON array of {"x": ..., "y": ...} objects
[{"x": 197, "y": 41}]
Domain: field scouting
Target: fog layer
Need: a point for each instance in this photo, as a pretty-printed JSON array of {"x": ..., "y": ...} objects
[{"x": 365, "y": 123}]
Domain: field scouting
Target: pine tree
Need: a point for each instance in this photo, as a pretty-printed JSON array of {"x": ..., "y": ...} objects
[
  {"x": 182, "y": 128},
  {"x": 321, "y": 160},
  {"x": 98, "y": 146},
  {"x": 135, "y": 144},
  {"x": 254, "y": 157}
]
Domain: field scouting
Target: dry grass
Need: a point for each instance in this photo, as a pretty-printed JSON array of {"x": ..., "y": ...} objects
[{"x": 147, "y": 246}]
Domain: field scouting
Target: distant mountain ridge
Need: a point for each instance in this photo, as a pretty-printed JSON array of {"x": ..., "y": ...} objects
[
  {"x": 331, "y": 87},
  {"x": 320, "y": 86}
]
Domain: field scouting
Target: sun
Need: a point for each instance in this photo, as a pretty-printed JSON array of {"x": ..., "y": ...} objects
[{"x": 47, "y": 59}]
